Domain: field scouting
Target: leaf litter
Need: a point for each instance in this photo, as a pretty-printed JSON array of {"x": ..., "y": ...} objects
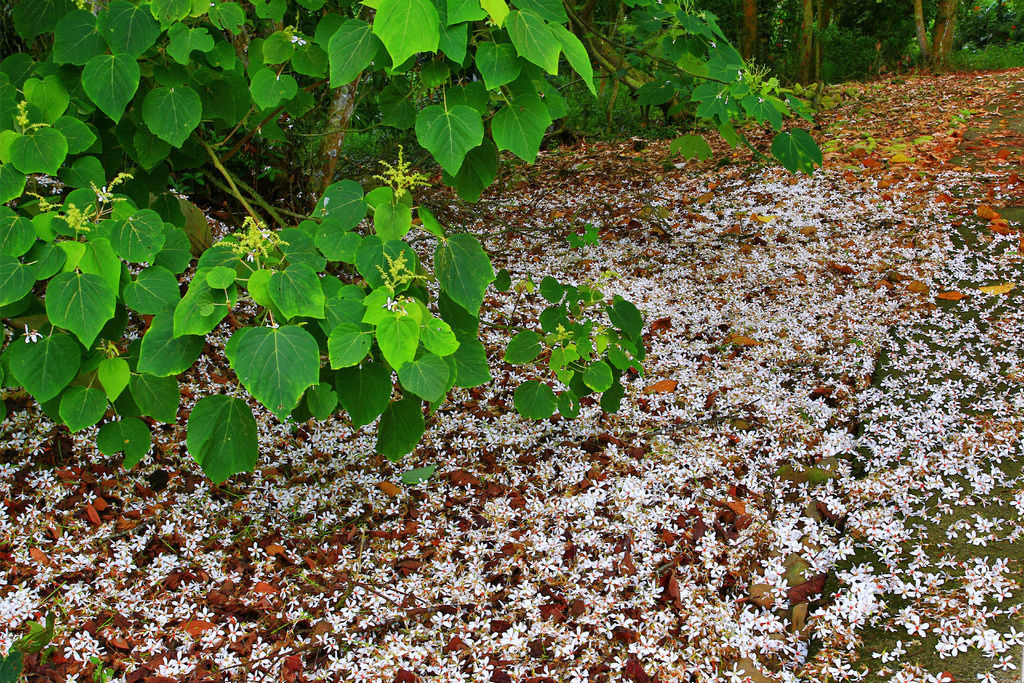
[{"x": 808, "y": 409}]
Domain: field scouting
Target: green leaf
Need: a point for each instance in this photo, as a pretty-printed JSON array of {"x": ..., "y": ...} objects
[
  {"x": 372, "y": 258},
  {"x": 463, "y": 270},
  {"x": 336, "y": 243},
  {"x": 222, "y": 437},
  {"x": 167, "y": 11},
  {"x": 278, "y": 48},
  {"x": 16, "y": 233},
  {"x": 690, "y": 146},
  {"x": 438, "y": 337},
  {"x": 797, "y": 151},
  {"x": 350, "y": 50},
  {"x": 519, "y": 126},
  {"x": 99, "y": 258},
  {"x": 611, "y": 400},
  {"x": 157, "y": 397},
  {"x": 276, "y": 365},
  {"x": 47, "y": 366},
  {"x": 418, "y": 475},
  {"x": 392, "y": 221},
  {"x": 32, "y": 17},
  {"x": 84, "y": 172},
  {"x": 221, "y": 277},
  {"x": 321, "y": 400},
  {"x": 575, "y": 53},
  {"x": 497, "y": 10},
  {"x": 172, "y": 113},
  {"x": 129, "y": 435},
  {"x": 523, "y": 348},
  {"x": 110, "y": 81},
  {"x": 12, "y": 183},
  {"x": 426, "y": 376},
  {"x": 296, "y": 291},
  {"x": 175, "y": 256},
  {"x": 348, "y": 345},
  {"x": 153, "y": 290},
  {"x": 139, "y": 237},
  {"x": 39, "y": 151},
  {"x": 162, "y": 354},
  {"x": 533, "y": 39},
  {"x": 81, "y": 303},
  {"x": 464, "y": 10},
  {"x": 184, "y": 41},
  {"x": 448, "y": 134},
  {"x": 48, "y": 97},
  {"x": 479, "y": 169},
  {"x": 498, "y": 63},
  {"x": 407, "y": 27},
  {"x": 113, "y": 374},
  {"x": 201, "y": 309},
  {"x": 471, "y": 368},
  {"x": 81, "y": 407},
  {"x": 16, "y": 280},
  {"x": 364, "y": 391},
  {"x": 127, "y": 28},
  {"x": 401, "y": 428},
  {"x": 625, "y": 317},
  {"x": 343, "y": 204},
  {"x": 228, "y": 16},
  {"x": 269, "y": 89},
  {"x": 398, "y": 337},
  {"x": 78, "y": 135},
  {"x": 534, "y": 400},
  {"x": 11, "y": 666},
  {"x": 598, "y": 376},
  {"x": 762, "y": 110},
  {"x": 568, "y": 405}
]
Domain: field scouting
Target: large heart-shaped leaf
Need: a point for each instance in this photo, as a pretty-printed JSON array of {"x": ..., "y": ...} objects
[
  {"x": 46, "y": 367},
  {"x": 81, "y": 407},
  {"x": 162, "y": 354},
  {"x": 222, "y": 436},
  {"x": 449, "y": 133},
  {"x": 128, "y": 28},
  {"x": 296, "y": 291},
  {"x": 401, "y": 428},
  {"x": 129, "y": 435},
  {"x": 533, "y": 39},
  {"x": 269, "y": 89},
  {"x": 76, "y": 39},
  {"x": 276, "y": 365},
  {"x": 407, "y": 27},
  {"x": 534, "y": 400},
  {"x": 39, "y": 151},
  {"x": 464, "y": 270},
  {"x": 172, "y": 113},
  {"x": 498, "y": 63},
  {"x": 138, "y": 237},
  {"x": 110, "y": 81},
  {"x": 80, "y": 302},
  {"x": 364, "y": 391},
  {"x": 398, "y": 336},
  {"x": 519, "y": 126},
  {"x": 350, "y": 50},
  {"x": 426, "y": 376},
  {"x": 797, "y": 151},
  {"x": 348, "y": 345},
  {"x": 153, "y": 290},
  {"x": 157, "y": 397}
]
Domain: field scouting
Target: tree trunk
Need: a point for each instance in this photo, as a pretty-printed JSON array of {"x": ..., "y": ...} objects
[
  {"x": 942, "y": 31},
  {"x": 922, "y": 32},
  {"x": 749, "y": 40},
  {"x": 343, "y": 105},
  {"x": 806, "y": 56}
]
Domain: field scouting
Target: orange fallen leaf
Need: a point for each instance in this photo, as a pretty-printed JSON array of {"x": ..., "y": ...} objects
[
  {"x": 737, "y": 506},
  {"x": 918, "y": 286},
  {"x": 197, "y": 628},
  {"x": 987, "y": 212},
  {"x": 740, "y": 340},
  {"x": 39, "y": 556},
  {"x": 93, "y": 516},
  {"x": 999, "y": 226},
  {"x": 996, "y": 290},
  {"x": 275, "y": 549},
  {"x": 389, "y": 488},
  {"x": 950, "y": 296},
  {"x": 264, "y": 587},
  {"x": 665, "y": 386}
]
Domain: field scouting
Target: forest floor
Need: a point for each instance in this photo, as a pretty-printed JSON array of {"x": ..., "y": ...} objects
[{"x": 817, "y": 476}]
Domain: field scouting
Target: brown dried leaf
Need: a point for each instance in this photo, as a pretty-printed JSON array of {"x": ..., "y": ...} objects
[{"x": 665, "y": 386}]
